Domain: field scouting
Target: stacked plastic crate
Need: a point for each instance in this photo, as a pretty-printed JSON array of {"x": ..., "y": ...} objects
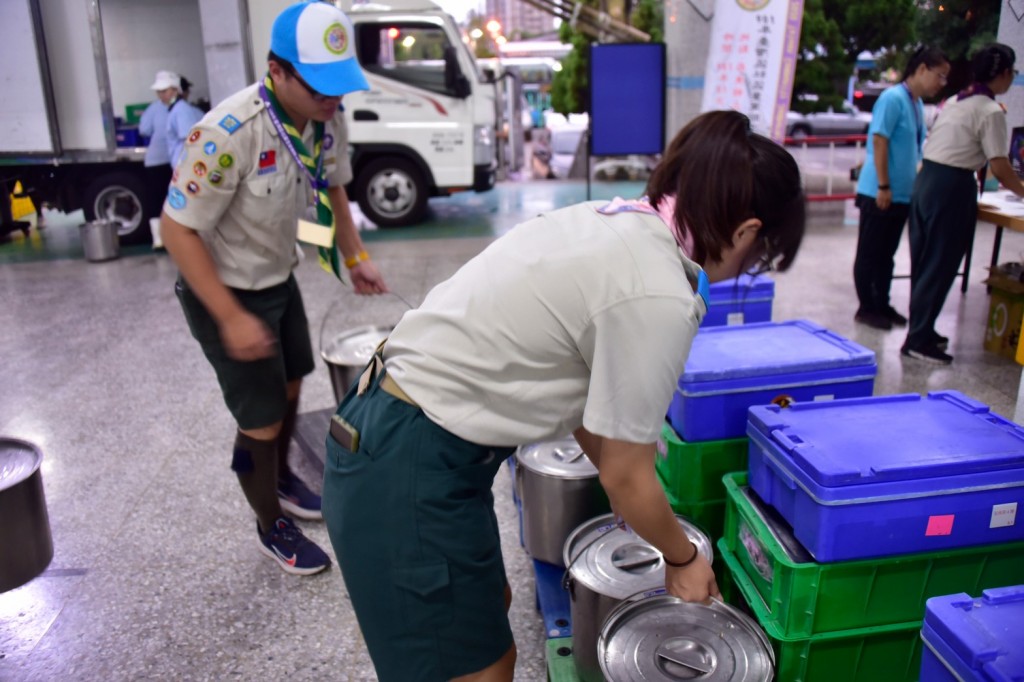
[
  {"x": 860, "y": 510},
  {"x": 729, "y": 369}
]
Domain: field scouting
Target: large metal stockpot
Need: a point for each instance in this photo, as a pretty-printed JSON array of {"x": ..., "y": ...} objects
[
  {"x": 606, "y": 565},
  {"x": 26, "y": 546},
  {"x": 559, "y": 490},
  {"x": 347, "y": 354},
  {"x": 662, "y": 638}
]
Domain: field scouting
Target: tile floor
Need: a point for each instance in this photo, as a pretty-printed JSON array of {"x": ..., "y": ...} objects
[{"x": 156, "y": 573}]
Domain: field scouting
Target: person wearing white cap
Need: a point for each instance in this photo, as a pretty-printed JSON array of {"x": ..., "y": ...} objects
[
  {"x": 153, "y": 124},
  {"x": 268, "y": 156}
]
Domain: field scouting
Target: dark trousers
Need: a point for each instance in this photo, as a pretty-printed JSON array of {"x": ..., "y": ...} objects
[
  {"x": 943, "y": 214},
  {"x": 157, "y": 180},
  {"x": 878, "y": 239}
]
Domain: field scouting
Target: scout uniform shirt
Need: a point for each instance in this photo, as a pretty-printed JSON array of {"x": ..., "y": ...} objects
[
  {"x": 572, "y": 318},
  {"x": 968, "y": 133},
  {"x": 241, "y": 190}
]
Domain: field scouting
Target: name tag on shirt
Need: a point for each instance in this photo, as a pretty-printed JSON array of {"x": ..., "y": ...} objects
[{"x": 314, "y": 233}]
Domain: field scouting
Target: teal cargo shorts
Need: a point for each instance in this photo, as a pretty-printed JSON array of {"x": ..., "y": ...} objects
[
  {"x": 411, "y": 518},
  {"x": 255, "y": 392}
]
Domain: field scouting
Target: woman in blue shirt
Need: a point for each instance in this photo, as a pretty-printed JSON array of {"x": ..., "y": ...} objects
[
  {"x": 181, "y": 116},
  {"x": 894, "y": 145}
]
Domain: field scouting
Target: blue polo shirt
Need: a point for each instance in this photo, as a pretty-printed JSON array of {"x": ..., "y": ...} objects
[
  {"x": 901, "y": 122},
  {"x": 153, "y": 125},
  {"x": 180, "y": 119}
]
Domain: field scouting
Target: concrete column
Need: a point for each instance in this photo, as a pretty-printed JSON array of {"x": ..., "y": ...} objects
[
  {"x": 225, "y": 28},
  {"x": 687, "y": 42}
]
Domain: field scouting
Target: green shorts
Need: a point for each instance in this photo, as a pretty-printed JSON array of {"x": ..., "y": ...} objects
[
  {"x": 411, "y": 518},
  {"x": 255, "y": 392}
]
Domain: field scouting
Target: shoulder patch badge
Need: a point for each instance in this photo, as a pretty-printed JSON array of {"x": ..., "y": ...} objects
[
  {"x": 176, "y": 199},
  {"x": 226, "y": 161},
  {"x": 210, "y": 148},
  {"x": 199, "y": 169},
  {"x": 194, "y": 136},
  {"x": 230, "y": 124},
  {"x": 216, "y": 177},
  {"x": 192, "y": 187}
]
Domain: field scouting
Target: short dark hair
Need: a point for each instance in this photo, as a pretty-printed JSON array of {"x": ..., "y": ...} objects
[
  {"x": 721, "y": 174},
  {"x": 992, "y": 60},
  {"x": 931, "y": 57}
]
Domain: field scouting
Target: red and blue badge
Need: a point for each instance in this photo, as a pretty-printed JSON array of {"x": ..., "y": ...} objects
[{"x": 268, "y": 162}]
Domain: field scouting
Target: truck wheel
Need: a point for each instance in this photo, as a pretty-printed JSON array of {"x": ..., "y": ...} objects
[
  {"x": 391, "y": 192},
  {"x": 120, "y": 198}
]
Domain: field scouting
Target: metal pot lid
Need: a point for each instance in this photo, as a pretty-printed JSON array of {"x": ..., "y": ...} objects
[
  {"x": 663, "y": 638},
  {"x": 18, "y": 461},
  {"x": 355, "y": 347},
  {"x": 617, "y": 562},
  {"x": 560, "y": 458}
]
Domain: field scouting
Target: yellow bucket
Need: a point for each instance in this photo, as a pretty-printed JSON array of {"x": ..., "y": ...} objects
[{"x": 21, "y": 207}]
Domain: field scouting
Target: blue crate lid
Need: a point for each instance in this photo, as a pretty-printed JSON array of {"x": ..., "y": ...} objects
[
  {"x": 770, "y": 348},
  {"x": 920, "y": 440},
  {"x": 743, "y": 289},
  {"x": 982, "y": 636}
]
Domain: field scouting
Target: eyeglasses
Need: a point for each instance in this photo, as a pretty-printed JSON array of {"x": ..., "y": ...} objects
[
  {"x": 764, "y": 264},
  {"x": 317, "y": 96},
  {"x": 943, "y": 77}
]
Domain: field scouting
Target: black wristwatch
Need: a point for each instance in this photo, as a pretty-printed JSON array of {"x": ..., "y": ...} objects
[{"x": 881, "y": 187}]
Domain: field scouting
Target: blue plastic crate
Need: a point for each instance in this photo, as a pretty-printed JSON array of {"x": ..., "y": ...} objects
[
  {"x": 552, "y": 600},
  {"x": 974, "y": 639},
  {"x": 742, "y": 300},
  {"x": 889, "y": 475},
  {"x": 731, "y": 368},
  {"x": 127, "y": 136}
]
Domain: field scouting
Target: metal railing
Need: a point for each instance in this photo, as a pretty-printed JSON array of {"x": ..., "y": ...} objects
[{"x": 805, "y": 142}]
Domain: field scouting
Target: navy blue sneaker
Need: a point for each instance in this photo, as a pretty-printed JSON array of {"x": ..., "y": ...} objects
[
  {"x": 297, "y": 554},
  {"x": 297, "y": 499}
]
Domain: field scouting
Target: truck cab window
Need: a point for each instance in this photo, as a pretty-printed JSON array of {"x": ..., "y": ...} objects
[{"x": 412, "y": 53}]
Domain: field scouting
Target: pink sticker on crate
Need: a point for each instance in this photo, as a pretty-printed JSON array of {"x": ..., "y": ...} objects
[{"x": 940, "y": 525}]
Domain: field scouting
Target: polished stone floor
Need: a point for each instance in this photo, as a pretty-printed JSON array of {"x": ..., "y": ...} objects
[{"x": 156, "y": 573}]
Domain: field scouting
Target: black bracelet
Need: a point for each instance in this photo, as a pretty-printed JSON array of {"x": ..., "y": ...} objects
[
  {"x": 683, "y": 564},
  {"x": 881, "y": 187}
]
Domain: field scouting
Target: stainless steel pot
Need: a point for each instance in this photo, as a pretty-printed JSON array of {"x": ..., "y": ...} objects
[
  {"x": 607, "y": 564},
  {"x": 347, "y": 354},
  {"x": 662, "y": 638},
  {"x": 100, "y": 241},
  {"x": 26, "y": 546},
  {"x": 559, "y": 489}
]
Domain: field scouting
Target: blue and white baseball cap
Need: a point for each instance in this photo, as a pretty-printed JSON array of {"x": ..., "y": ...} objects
[{"x": 318, "y": 39}]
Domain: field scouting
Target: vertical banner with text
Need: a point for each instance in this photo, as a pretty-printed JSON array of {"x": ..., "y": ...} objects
[{"x": 754, "y": 45}]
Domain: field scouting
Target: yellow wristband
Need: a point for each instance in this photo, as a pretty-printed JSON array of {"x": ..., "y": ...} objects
[{"x": 356, "y": 259}]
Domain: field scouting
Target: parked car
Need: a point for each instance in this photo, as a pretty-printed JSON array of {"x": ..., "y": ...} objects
[
  {"x": 848, "y": 121},
  {"x": 566, "y": 143}
]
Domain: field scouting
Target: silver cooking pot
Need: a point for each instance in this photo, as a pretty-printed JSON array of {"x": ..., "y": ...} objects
[
  {"x": 661, "y": 638},
  {"x": 559, "y": 489},
  {"x": 606, "y": 565}
]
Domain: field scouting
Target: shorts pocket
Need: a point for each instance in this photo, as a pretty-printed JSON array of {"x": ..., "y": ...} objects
[{"x": 425, "y": 592}]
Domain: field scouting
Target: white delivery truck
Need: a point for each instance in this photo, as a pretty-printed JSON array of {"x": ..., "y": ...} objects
[{"x": 426, "y": 128}]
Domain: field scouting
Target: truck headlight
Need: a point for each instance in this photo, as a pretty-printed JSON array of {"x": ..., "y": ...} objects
[{"x": 483, "y": 145}]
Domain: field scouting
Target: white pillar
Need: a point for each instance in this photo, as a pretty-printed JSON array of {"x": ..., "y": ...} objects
[{"x": 687, "y": 41}]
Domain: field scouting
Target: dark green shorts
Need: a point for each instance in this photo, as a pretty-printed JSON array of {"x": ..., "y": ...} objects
[
  {"x": 255, "y": 392},
  {"x": 411, "y": 518}
]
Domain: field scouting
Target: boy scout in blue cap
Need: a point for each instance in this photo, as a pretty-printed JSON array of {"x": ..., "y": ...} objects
[{"x": 264, "y": 158}]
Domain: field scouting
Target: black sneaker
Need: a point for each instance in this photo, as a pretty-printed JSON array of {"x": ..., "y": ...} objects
[
  {"x": 894, "y": 317},
  {"x": 930, "y": 353},
  {"x": 293, "y": 551},
  {"x": 941, "y": 341},
  {"x": 297, "y": 499},
  {"x": 876, "y": 320}
]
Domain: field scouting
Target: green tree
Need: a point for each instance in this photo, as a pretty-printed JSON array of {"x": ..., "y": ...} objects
[
  {"x": 834, "y": 32},
  {"x": 958, "y": 27},
  {"x": 570, "y": 87},
  {"x": 649, "y": 17}
]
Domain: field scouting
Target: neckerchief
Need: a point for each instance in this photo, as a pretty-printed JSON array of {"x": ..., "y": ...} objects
[
  {"x": 313, "y": 169},
  {"x": 972, "y": 90}
]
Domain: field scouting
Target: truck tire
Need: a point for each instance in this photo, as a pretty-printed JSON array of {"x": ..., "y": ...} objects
[
  {"x": 391, "y": 192},
  {"x": 121, "y": 198}
]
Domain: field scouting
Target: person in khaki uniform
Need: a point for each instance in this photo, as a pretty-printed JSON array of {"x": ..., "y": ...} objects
[{"x": 266, "y": 157}]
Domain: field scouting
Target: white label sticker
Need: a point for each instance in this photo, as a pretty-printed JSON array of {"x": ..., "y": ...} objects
[
  {"x": 1003, "y": 515},
  {"x": 824, "y": 397},
  {"x": 733, "y": 319}
]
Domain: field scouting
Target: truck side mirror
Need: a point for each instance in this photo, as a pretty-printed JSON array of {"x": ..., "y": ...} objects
[{"x": 454, "y": 80}]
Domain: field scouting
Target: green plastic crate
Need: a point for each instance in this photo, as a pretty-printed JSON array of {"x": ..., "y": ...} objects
[
  {"x": 561, "y": 667},
  {"x": 887, "y": 653},
  {"x": 803, "y": 598},
  {"x": 133, "y": 112},
  {"x": 692, "y": 472},
  {"x": 708, "y": 516}
]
